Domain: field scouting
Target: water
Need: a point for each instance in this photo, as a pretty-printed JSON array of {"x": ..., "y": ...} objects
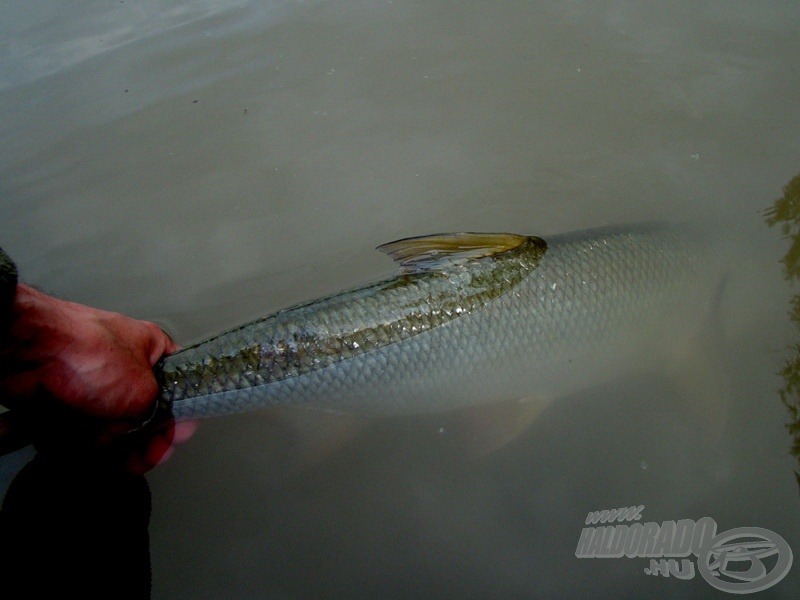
[{"x": 199, "y": 164}]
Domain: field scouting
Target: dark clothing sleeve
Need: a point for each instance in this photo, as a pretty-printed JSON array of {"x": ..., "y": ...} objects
[
  {"x": 8, "y": 286},
  {"x": 76, "y": 520}
]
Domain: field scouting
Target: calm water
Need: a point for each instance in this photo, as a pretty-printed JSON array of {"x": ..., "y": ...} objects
[{"x": 202, "y": 163}]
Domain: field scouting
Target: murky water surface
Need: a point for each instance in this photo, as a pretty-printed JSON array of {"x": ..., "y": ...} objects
[{"x": 202, "y": 163}]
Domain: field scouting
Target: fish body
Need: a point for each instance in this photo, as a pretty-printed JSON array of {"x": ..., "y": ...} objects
[{"x": 469, "y": 319}]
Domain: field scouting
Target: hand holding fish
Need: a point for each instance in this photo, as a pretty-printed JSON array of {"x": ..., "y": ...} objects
[{"x": 63, "y": 357}]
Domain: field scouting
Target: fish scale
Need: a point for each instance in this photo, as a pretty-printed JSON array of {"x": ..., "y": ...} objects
[{"x": 540, "y": 317}]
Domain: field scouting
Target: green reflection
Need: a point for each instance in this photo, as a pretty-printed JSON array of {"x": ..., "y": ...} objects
[{"x": 786, "y": 213}]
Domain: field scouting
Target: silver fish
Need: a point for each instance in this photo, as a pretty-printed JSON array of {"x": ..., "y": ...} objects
[{"x": 469, "y": 319}]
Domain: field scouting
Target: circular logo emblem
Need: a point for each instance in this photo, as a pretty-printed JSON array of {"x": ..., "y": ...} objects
[{"x": 735, "y": 560}]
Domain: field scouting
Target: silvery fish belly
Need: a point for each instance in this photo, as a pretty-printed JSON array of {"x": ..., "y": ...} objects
[{"x": 470, "y": 318}]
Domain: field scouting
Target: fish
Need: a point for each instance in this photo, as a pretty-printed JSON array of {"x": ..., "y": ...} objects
[{"x": 467, "y": 319}]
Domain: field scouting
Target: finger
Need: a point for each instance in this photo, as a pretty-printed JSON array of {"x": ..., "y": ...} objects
[
  {"x": 159, "y": 450},
  {"x": 137, "y": 465},
  {"x": 171, "y": 347},
  {"x": 149, "y": 452},
  {"x": 160, "y": 342},
  {"x": 184, "y": 430}
]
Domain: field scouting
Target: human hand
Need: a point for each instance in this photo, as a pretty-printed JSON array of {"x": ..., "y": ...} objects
[{"x": 63, "y": 355}]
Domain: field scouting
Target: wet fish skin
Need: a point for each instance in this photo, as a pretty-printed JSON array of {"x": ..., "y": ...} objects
[{"x": 541, "y": 318}]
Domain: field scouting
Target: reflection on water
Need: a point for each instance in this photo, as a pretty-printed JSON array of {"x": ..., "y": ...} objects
[{"x": 786, "y": 213}]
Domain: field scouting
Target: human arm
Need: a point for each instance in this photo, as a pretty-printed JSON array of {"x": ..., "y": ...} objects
[{"x": 67, "y": 359}]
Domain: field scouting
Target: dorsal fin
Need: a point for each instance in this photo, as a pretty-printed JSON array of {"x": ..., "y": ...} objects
[{"x": 432, "y": 252}]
